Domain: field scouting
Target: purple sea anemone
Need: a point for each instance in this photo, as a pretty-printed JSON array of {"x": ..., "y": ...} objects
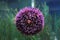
[{"x": 29, "y": 21}]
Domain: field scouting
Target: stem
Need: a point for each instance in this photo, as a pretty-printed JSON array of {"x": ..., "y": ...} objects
[
  {"x": 33, "y": 37},
  {"x": 33, "y": 3}
]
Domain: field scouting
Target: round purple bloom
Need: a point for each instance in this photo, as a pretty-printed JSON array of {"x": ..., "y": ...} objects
[{"x": 29, "y": 21}]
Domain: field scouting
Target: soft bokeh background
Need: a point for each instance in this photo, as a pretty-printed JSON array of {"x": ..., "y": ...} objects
[{"x": 50, "y": 9}]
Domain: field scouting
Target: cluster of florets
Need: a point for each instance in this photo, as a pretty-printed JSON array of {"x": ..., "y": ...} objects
[{"x": 29, "y": 20}]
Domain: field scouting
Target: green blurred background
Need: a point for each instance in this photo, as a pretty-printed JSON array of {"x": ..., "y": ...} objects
[{"x": 8, "y": 30}]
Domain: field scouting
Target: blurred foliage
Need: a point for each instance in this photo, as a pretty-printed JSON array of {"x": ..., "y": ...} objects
[{"x": 8, "y": 30}]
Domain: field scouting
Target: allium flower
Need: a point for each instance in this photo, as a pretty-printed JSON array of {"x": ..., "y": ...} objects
[{"x": 29, "y": 20}]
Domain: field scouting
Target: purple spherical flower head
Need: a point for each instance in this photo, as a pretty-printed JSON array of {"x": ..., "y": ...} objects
[{"x": 29, "y": 21}]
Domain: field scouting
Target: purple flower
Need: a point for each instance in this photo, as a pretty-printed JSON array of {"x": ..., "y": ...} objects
[{"x": 29, "y": 20}]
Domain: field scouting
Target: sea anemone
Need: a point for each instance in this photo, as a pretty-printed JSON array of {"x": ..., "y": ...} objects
[{"x": 29, "y": 21}]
